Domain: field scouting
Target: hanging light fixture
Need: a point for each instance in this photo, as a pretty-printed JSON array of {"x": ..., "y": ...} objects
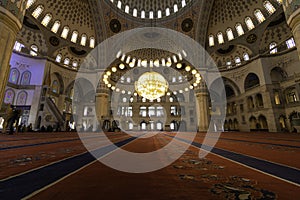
[{"x": 151, "y": 85}]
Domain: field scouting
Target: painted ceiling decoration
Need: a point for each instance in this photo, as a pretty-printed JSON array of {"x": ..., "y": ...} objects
[{"x": 51, "y": 26}]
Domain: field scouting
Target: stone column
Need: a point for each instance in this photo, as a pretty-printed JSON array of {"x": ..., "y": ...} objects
[
  {"x": 202, "y": 107},
  {"x": 102, "y": 103},
  {"x": 11, "y": 17},
  {"x": 292, "y": 13}
]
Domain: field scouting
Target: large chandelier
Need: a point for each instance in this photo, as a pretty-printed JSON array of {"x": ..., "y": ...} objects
[{"x": 151, "y": 85}]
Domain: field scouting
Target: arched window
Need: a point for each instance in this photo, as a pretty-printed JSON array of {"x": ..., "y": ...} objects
[
  {"x": 55, "y": 86},
  {"x": 269, "y": 7},
  {"x": 143, "y": 14},
  {"x": 9, "y": 96},
  {"x": 167, "y": 11},
  {"x": 237, "y": 61},
  {"x": 228, "y": 64},
  {"x": 75, "y": 64},
  {"x": 249, "y": 23},
  {"x": 290, "y": 43},
  {"x": 259, "y": 100},
  {"x": 159, "y": 14},
  {"x": 134, "y": 12},
  {"x": 58, "y": 58},
  {"x": 246, "y": 57},
  {"x": 92, "y": 42},
  {"x": 83, "y": 40},
  {"x": 273, "y": 48},
  {"x": 130, "y": 126},
  {"x": 127, "y": 9},
  {"x": 67, "y": 61},
  {"x": 65, "y": 32},
  {"x": 55, "y": 26},
  {"x": 14, "y": 76},
  {"x": 251, "y": 81},
  {"x": 239, "y": 29},
  {"x": 175, "y": 8},
  {"x": 151, "y": 15},
  {"x": 38, "y": 11},
  {"x": 119, "y": 4},
  {"x": 211, "y": 41},
  {"x": 46, "y": 19},
  {"x": 220, "y": 38},
  {"x": 159, "y": 126},
  {"x": 30, "y": 3},
  {"x": 22, "y": 97},
  {"x": 34, "y": 50},
  {"x": 74, "y": 36},
  {"x": 25, "y": 79},
  {"x": 229, "y": 33},
  {"x": 18, "y": 46},
  {"x": 259, "y": 16}
]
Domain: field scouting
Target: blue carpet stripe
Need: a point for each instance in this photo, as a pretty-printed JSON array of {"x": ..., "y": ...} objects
[{"x": 23, "y": 185}]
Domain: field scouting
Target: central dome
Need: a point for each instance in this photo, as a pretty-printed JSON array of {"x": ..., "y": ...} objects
[{"x": 150, "y": 9}]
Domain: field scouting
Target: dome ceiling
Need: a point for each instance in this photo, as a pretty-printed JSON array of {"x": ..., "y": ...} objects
[
  {"x": 89, "y": 22},
  {"x": 150, "y": 9}
]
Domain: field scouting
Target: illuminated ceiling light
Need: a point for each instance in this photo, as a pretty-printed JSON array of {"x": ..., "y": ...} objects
[
  {"x": 197, "y": 75},
  {"x": 122, "y": 66},
  {"x": 113, "y": 87},
  {"x": 175, "y": 92},
  {"x": 191, "y": 87},
  {"x": 188, "y": 68},
  {"x": 105, "y": 76},
  {"x": 117, "y": 90},
  {"x": 108, "y": 73},
  {"x": 123, "y": 91},
  {"x": 179, "y": 65},
  {"x": 184, "y": 53},
  {"x": 156, "y": 63},
  {"x": 194, "y": 71},
  {"x": 186, "y": 89},
  {"x": 195, "y": 84},
  {"x": 109, "y": 85},
  {"x": 135, "y": 94},
  {"x": 168, "y": 94},
  {"x": 169, "y": 62},
  {"x": 129, "y": 92},
  {"x": 131, "y": 64},
  {"x": 151, "y": 85},
  {"x": 113, "y": 69},
  {"x": 180, "y": 91}
]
